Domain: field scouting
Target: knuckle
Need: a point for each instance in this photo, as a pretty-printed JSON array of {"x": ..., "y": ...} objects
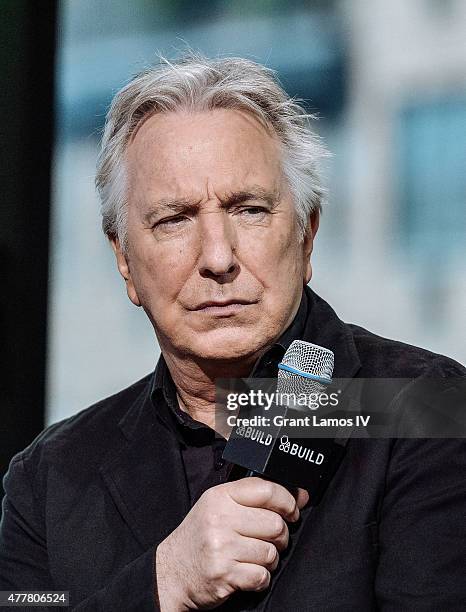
[
  {"x": 291, "y": 507},
  {"x": 213, "y": 519},
  {"x": 285, "y": 538},
  {"x": 262, "y": 579},
  {"x": 216, "y": 571},
  {"x": 221, "y": 591},
  {"x": 209, "y": 521},
  {"x": 277, "y": 526},
  {"x": 213, "y": 496},
  {"x": 266, "y": 490},
  {"x": 271, "y": 554},
  {"x": 207, "y": 496},
  {"x": 216, "y": 543}
]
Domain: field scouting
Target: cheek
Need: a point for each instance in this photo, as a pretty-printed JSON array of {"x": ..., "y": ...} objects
[
  {"x": 277, "y": 260},
  {"x": 159, "y": 271}
]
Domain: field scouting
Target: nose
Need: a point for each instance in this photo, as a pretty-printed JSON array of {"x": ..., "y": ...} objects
[{"x": 218, "y": 245}]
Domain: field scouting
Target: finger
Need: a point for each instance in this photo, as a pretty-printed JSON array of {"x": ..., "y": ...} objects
[
  {"x": 251, "y": 550},
  {"x": 250, "y": 577},
  {"x": 302, "y": 497},
  {"x": 259, "y": 493},
  {"x": 261, "y": 524}
]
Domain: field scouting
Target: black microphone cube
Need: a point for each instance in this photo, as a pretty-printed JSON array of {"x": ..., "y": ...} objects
[{"x": 275, "y": 450}]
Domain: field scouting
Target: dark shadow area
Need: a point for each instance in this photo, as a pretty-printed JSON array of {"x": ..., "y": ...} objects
[{"x": 28, "y": 33}]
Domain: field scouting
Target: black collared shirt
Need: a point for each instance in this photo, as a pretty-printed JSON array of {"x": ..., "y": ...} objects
[{"x": 201, "y": 447}]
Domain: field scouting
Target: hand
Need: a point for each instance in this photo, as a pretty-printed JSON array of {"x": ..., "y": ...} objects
[{"x": 230, "y": 540}]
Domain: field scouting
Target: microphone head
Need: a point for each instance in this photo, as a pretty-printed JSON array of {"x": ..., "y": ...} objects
[
  {"x": 271, "y": 447},
  {"x": 305, "y": 368}
]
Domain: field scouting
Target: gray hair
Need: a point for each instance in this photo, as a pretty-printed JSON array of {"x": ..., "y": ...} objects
[{"x": 197, "y": 83}]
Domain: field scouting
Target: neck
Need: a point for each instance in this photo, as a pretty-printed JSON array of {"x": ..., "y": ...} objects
[{"x": 195, "y": 384}]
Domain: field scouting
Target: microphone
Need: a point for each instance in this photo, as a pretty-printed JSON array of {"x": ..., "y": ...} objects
[{"x": 270, "y": 448}]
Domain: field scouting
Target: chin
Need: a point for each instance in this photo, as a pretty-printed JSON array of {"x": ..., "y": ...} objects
[{"x": 227, "y": 344}]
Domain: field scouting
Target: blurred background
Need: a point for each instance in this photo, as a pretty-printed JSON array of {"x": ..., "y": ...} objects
[{"x": 388, "y": 81}]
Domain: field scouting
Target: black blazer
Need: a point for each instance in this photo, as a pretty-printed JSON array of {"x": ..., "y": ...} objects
[{"x": 89, "y": 500}]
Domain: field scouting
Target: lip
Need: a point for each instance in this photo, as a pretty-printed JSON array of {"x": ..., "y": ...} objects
[{"x": 223, "y": 308}]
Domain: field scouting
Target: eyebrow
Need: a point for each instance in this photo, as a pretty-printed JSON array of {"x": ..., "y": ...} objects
[{"x": 186, "y": 205}]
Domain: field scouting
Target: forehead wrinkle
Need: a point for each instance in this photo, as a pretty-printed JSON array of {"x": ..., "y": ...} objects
[{"x": 229, "y": 199}]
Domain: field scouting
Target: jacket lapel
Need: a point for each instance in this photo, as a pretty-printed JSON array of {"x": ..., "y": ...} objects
[
  {"x": 147, "y": 480},
  {"x": 323, "y": 327}
]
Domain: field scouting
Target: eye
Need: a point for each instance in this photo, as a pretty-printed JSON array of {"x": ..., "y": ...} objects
[
  {"x": 168, "y": 222},
  {"x": 253, "y": 212}
]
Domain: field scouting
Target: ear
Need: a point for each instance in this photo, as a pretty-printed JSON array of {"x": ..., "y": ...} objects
[
  {"x": 123, "y": 267},
  {"x": 308, "y": 244}
]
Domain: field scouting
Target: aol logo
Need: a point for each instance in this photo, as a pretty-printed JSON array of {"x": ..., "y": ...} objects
[{"x": 284, "y": 444}]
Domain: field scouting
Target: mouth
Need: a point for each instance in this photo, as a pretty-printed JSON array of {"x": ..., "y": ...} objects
[{"x": 223, "y": 307}]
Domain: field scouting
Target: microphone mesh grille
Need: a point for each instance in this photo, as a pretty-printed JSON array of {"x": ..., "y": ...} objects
[{"x": 309, "y": 358}]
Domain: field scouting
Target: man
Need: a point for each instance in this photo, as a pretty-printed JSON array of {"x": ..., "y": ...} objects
[{"x": 209, "y": 179}]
